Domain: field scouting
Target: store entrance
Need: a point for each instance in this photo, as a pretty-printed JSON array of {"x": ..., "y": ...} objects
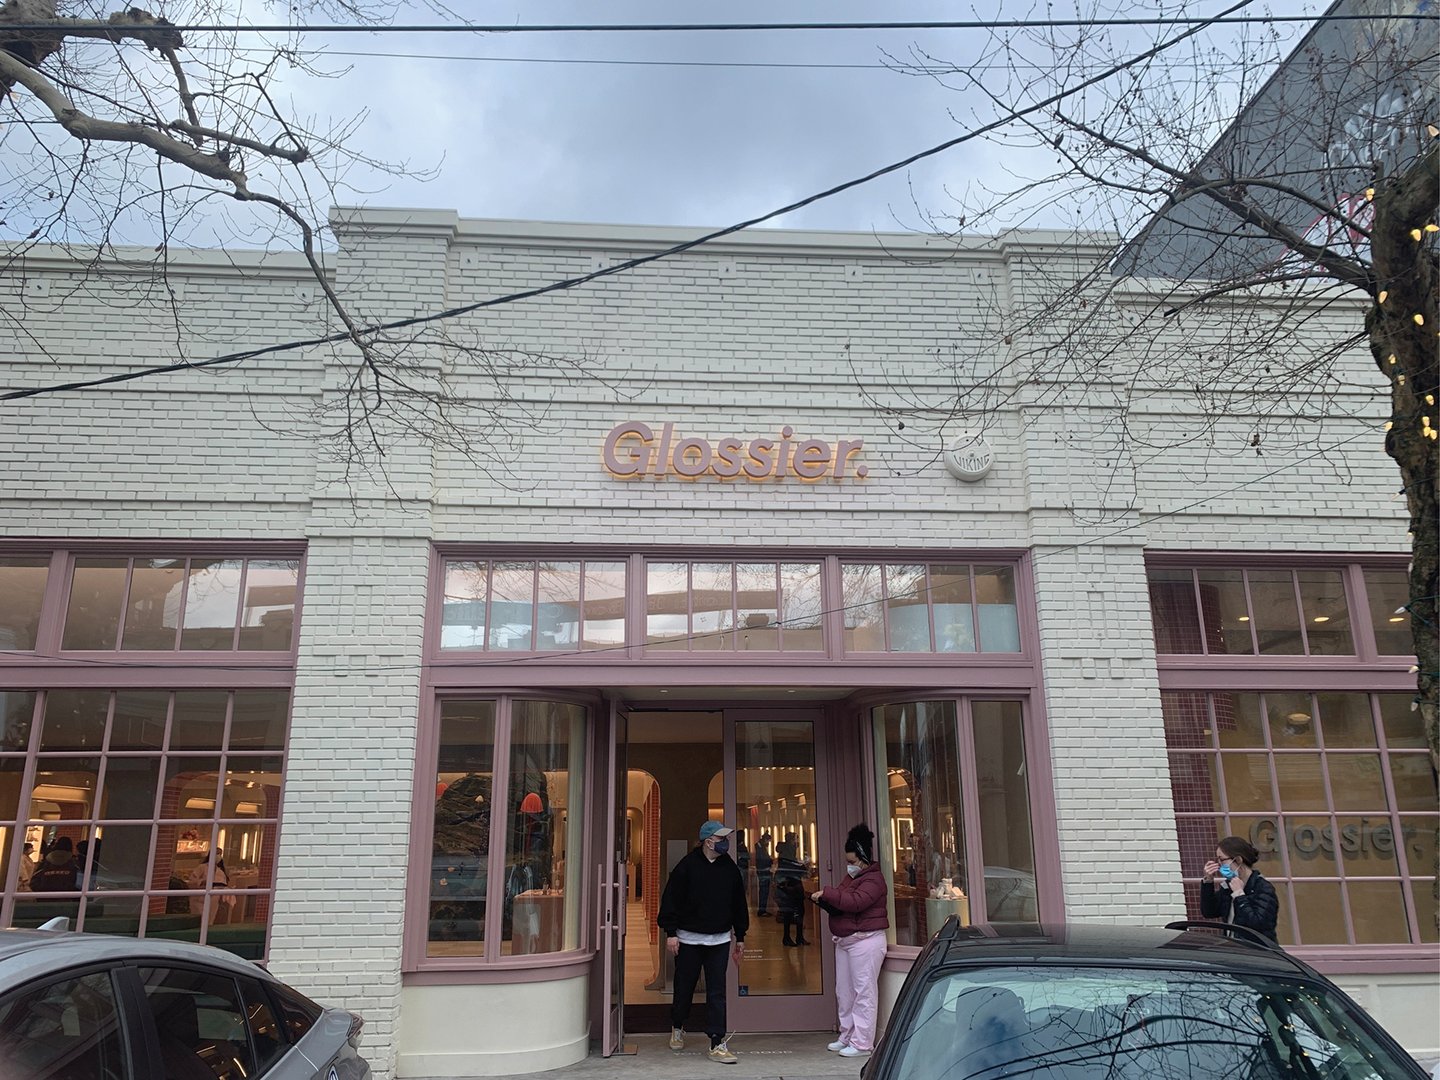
[{"x": 766, "y": 772}]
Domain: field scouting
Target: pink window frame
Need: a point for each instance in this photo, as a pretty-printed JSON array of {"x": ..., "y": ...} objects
[
  {"x": 1368, "y": 671},
  {"x": 1040, "y": 789},
  {"x": 490, "y": 966},
  {"x": 48, "y": 667}
]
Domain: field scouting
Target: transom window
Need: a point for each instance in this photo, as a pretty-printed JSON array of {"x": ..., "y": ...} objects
[
  {"x": 526, "y": 605},
  {"x": 141, "y": 604},
  {"x": 634, "y": 605},
  {"x": 1278, "y": 611},
  {"x": 745, "y": 606},
  {"x": 934, "y": 607}
]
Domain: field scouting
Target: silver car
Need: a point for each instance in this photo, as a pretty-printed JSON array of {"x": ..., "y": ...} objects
[{"x": 93, "y": 1007}]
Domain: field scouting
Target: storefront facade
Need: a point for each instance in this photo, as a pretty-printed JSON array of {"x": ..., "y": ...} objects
[{"x": 453, "y": 723}]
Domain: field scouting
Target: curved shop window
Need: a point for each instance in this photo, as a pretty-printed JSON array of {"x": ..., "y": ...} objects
[
  {"x": 497, "y": 873},
  {"x": 955, "y": 806}
]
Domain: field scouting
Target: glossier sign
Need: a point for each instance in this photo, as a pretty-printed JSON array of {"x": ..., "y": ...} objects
[{"x": 636, "y": 451}]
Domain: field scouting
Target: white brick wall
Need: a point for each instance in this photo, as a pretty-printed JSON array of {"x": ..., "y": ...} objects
[{"x": 839, "y": 336}]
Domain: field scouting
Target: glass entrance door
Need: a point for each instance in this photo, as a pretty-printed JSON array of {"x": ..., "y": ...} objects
[{"x": 776, "y": 795}]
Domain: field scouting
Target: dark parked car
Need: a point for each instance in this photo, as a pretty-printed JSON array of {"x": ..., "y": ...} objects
[
  {"x": 1092, "y": 1002},
  {"x": 93, "y": 1007}
]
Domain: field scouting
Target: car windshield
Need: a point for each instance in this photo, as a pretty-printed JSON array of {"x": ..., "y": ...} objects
[{"x": 1077, "y": 1023}]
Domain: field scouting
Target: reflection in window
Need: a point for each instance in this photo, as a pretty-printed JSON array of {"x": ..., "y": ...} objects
[
  {"x": 905, "y": 607},
  {"x": 22, "y": 589},
  {"x": 66, "y": 1028},
  {"x": 725, "y": 607},
  {"x": 543, "y": 828},
  {"x": 532, "y": 605},
  {"x": 919, "y": 758},
  {"x": 1302, "y": 778},
  {"x": 160, "y": 605},
  {"x": 143, "y": 818},
  {"x": 460, "y": 836},
  {"x": 1005, "y": 838}
]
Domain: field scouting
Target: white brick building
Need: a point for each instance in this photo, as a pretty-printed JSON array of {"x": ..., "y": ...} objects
[{"x": 1042, "y": 685}]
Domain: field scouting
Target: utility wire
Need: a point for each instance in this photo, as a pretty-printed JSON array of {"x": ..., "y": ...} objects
[
  {"x": 493, "y": 661},
  {"x": 1224, "y": 19},
  {"x": 628, "y": 264}
]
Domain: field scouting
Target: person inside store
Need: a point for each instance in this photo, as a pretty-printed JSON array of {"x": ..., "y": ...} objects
[
  {"x": 704, "y": 916},
  {"x": 790, "y": 906},
  {"x": 763, "y": 867},
  {"x": 27, "y": 867},
  {"x": 858, "y": 921},
  {"x": 219, "y": 905},
  {"x": 58, "y": 871},
  {"x": 1233, "y": 890}
]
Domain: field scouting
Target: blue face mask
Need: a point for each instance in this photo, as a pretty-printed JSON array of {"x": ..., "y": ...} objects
[
  {"x": 1227, "y": 871},
  {"x": 722, "y": 846}
]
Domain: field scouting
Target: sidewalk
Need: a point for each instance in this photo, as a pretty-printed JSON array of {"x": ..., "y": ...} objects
[{"x": 762, "y": 1057}]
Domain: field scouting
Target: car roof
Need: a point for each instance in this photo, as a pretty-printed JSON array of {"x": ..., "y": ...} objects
[
  {"x": 1108, "y": 944},
  {"x": 49, "y": 950}
]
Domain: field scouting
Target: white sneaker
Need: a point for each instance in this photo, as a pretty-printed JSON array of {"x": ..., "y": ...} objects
[
  {"x": 677, "y": 1038},
  {"x": 838, "y": 1044},
  {"x": 850, "y": 1051}
]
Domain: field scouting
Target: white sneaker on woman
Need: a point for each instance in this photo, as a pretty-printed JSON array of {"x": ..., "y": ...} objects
[
  {"x": 851, "y": 1051},
  {"x": 838, "y": 1044}
]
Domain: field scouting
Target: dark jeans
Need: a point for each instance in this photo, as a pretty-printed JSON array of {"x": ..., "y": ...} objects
[{"x": 715, "y": 960}]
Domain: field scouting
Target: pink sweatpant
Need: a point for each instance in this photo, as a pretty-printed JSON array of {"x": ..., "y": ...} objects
[{"x": 857, "y": 985}]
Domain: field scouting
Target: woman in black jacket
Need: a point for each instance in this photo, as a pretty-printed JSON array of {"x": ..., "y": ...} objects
[{"x": 1235, "y": 891}]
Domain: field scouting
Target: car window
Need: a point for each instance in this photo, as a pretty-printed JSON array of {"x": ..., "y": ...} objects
[
  {"x": 267, "y": 1034},
  {"x": 1051, "y": 1022},
  {"x": 200, "y": 1023},
  {"x": 300, "y": 1014},
  {"x": 64, "y": 1030}
]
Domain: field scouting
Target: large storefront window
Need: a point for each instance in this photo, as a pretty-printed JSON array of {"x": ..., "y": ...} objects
[
  {"x": 147, "y": 812},
  {"x": 1334, "y": 789},
  {"x": 955, "y": 803},
  {"x": 1326, "y": 773},
  {"x": 140, "y": 795},
  {"x": 509, "y": 781}
]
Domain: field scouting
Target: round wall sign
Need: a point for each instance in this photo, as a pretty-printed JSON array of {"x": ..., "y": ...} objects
[{"x": 969, "y": 456}]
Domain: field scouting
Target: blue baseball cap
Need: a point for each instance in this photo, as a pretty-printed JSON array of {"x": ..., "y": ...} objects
[{"x": 714, "y": 828}]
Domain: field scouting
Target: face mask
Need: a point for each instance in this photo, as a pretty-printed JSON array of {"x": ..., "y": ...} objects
[
  {"x": 853, "y": 870},
  {"x": 1227, "y": 871},
  {"x": 722, "y": 846}
]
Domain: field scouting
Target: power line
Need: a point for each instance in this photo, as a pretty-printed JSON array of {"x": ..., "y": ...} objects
[
  {"x": 620, "y": 267},
  {"x": 897, "y": 68},
  {"x": 640, "y": 28}
]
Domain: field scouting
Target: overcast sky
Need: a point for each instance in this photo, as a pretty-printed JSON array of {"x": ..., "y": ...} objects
[{"x": 634, "y": 139}]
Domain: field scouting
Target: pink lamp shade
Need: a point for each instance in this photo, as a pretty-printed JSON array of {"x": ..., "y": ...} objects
[{"x": 531, "y": 804}]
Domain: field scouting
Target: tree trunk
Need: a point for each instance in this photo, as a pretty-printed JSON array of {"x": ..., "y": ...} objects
[{"x": 1406, "y": 351}]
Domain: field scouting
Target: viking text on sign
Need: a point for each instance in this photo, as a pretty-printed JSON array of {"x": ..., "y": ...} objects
[{"x": 634, "y": 450}]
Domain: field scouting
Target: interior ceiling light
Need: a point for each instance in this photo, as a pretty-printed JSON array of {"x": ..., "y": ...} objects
[{"x": 1321, "y": 618}]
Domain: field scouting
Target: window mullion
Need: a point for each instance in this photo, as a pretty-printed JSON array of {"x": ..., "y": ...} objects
[
  {"x": 970, "y": 818},
  {"x": 499, "y": 829}
]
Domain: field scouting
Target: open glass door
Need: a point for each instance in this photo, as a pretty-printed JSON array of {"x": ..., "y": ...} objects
[
  {"x": 614, "y": 886},
  {"x": 777, "y": 794}
]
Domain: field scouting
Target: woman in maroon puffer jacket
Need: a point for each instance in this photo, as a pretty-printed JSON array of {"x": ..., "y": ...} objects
[{"x": 858, "y": 920}]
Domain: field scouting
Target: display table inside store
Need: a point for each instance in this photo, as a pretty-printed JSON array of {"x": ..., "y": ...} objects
[{"x": 538, "y": 922}]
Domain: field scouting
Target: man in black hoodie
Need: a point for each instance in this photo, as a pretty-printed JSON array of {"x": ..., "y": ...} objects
[{"x": 704, "y": 916}]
